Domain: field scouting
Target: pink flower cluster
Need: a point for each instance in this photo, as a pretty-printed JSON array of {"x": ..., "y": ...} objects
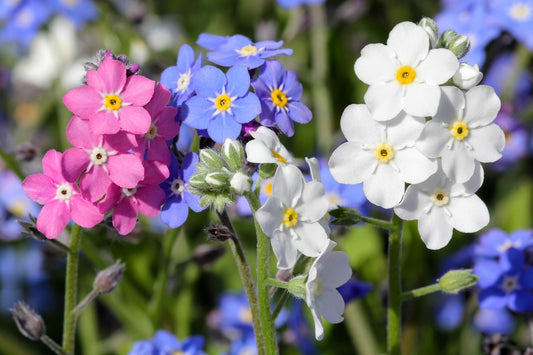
[{"x": 119, "y": 157}]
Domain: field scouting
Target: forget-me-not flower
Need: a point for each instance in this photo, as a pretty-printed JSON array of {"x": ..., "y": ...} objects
[{"x": 178, "y": 78}]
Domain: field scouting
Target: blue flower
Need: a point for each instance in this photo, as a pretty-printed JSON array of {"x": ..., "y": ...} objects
[
  {"x": 23, "y": 21},
  {"x": 223, "y": 102},
  {"x": 298, "y": 332},
  {"x": 450, "y": 310},
  {"x": 178, "y": 198},
  {"x": 516, "y": 138},
  {"x": 516, "y": 17},
  {"x": 495, "y": 242},
  {"x": 243, "y": 346},
  {"x": 279, "y": 92},
  {"x": 235, "y": 316},
  {"x": 165, "y": 343},
  {"x": 239, "y": 50},
  {"x": 178, "y": 78},
  {"x": 494, "y": 321},
  {"x": 354, "y": 289},
  {"x": 78, "y": 11},
  {"x": 293, "y": 3},
  {"x": 505, "y": 283}
]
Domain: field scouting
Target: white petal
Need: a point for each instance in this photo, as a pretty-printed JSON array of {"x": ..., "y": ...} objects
[
  {"x": 319, "y": 328},
  {"x": 482, "y": 106},
  {"x": 421, "y": 99},
  {"x": 472, "y": 185},
  {"x": 331, "y": 305},
  {"x": 336, "y": 271},
  {"x": 433, "y": 139},
  {"x": 469, "y": 213},
  {"x": 266, "y": 136},
  {"x": 284, "y": 249},
  {"x": 384, "y": 101},
  {"x": 313, "y": 204},
  {"x": 457, "y": 164},
  {"x": 257, "y": 152},
  {"x": 377, "y": 64},
  {"x": 357, "y": 124},
  {"x": 413, "y": 204},
  {"x": 384, "y": 188},
  {"x": 488, "y": 143},
  {"x": 414, "y": 166},
  {"x": 312, "y": 238},
  {"x": 288, "y": 184},
  {"x": 438, "y": 67},
  {"x": 451, "y": 105},
  {"x": 269, "y": 216},
  {"x": 410, "y": 42},
  {"x": 404, "y": 129},
  {"x": 435, "y": 228},
  {"x": 314, "y": 168},
  {"x": 349, "y": 164}
]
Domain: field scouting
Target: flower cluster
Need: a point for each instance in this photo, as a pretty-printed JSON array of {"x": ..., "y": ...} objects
[
  {"x": 390, "y": 142},
  {"x": 165, "y": 342},
  {"x": 119, "y": 130}
]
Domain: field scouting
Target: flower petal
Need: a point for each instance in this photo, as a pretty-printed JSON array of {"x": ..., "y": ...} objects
[
  {"x": 384, "y": 188},
  {"x": 84, "y": 212},
  {"x": 421, "y": 99},
  {"x": 134, "y": 119},
  {"x": 414, "y": 166},
  {"x": 377, "y": 64},
  {"x": 53, "y": 218},
  {"x": 413, "y": 203},
  {"x": 438, "y": 67},
  {"x": 482, "y": 105},
  {"x": 125, "y": 170},
  {"x": 384, "y": 101},
  {"x": 410, "y": 42},
  {"x": 40, "y": 188},
  {"x": 457, "y": 164},
  {"x": 124, "y": 216},
  {"x": 433, "y": 139},
  {"x": 284, "y": 249},
  {"x": 74, "y": 161},
  {"x": 469, "y": 214},
  {"x": 434, "y": 228},
  {"x": 487, "y": 143},
  {"x": 349, "y": 164}
]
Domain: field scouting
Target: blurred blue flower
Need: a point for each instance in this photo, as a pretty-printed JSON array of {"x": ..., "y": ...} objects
[
  {"x": 235, "y": 316},
  {"x": 178, "y": 78},
  {"x": 279, "y": 92},
  {"x": 223, "y": 102},
  {"x": 243, "y": 346},
  {"x": 494, "y": 321},
  {"x": 450, "y": 310},
  {"x": 166, "y": 343},
  {"x": 515, "y": 17},
  {"x": 239, "y": 50},
  {"x": 178, "y": 198},
  {"x": 293, "y": 3},
  {"x": 23, "y": 20},
  {"x": 299, "y": 333},
  {"x": 495, "y": 242},
  {"x": 354, "y": 289},
  {"x": 77, "y": 11}
]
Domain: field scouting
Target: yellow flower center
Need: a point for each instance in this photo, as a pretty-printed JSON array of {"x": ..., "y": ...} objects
[
  {"x": 18, "y": 208},
  {"x": 290, "y": 218},
  {"x": 222, "y": 102},
  {"x": 459, "y": 130},
  {"x": 112, "y": 102},
  {"x": 245, "y": 315},
  {"x": 267, "y": 188},
  {"x": 279, "y": 157},
  {"x": 279, "y": 98},
  {"x": 248, "y": 51},
  {"x": 384, "y": 152},
  {"x": 440, "y": 198},
  {"x": 177, "y": 352},
  {"x": 405, "y": 75},
  {"x": 520, "y": 12}
]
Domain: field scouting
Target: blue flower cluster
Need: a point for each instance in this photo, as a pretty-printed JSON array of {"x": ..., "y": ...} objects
[{"x": 166, "y": 343}]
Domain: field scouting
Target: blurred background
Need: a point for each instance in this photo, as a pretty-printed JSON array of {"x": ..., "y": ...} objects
[{"x": 43, "y": 46}]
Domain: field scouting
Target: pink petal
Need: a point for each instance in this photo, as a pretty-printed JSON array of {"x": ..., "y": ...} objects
[
  {"x": 111, "y": 198},
  {"x": 155, "y": 172},
  {"x": 167, "y": 127},
  {"x": 158, "y": 101},
  {"x": 138, "y": 90},
  {"x": 53, "y": 218},
  {"x": 125, "y": 170},
  {"x": 74, "y": 161},
  {"x": 159, "y": 151},
  {"x": 52, "y": 165},
  {"x": 96, "y": 81},
  {"x": 84, "y": 212},
  {"x": 104, "y": 122},
  {"x": 149, "y": 200},
  {"x": 134, "y": 119},
  {"x": 83, "y": 101},
  {"x": 79, "y": 135},
  {"x": 113, "y": 73},
  {"x": 95, "y": 183},
  {"x": 125, "y": 216},
  {"x": 40, "y": 188},
  {"x": 121, "y": 142}
]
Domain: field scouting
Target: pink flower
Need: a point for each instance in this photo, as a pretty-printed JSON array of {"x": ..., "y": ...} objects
[
  {"x": 146, "y": 198},
  {"x": 62, "y": 200},
  {"x": 162, "y": 128},
  {"x": 104, "y": 157},
  {"x": 111, "y": 101}
]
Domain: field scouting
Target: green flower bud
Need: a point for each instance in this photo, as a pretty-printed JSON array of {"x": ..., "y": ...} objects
[
  {"x": 445, "y": 38},
  {"x": 211, "y": 159},
  {"x": 431, "y": 28},
  {"x": 222, "y": 200},
  {"x": 197, "y": 181},
  {"x": 233, "y": 154},
  {"x": 267, "y": 171},
  {"x": 217, "y": 179},
  {"x": 459, "y": 45},
  {"x": 296, "y": 286},
  {"x": 457, "y": 280}
]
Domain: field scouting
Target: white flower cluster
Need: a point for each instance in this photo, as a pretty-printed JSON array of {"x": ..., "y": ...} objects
[
  {"x": 294, "y": 218},
  {"x": 419, "y": 127}
]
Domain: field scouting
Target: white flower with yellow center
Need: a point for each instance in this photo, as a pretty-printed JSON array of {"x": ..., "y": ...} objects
[
  {"x": 329, "y": 271},
  {"x": 441, "y": 205},
  {"x": 462, "y": 131},
  {"x": 291, "y": 216},
  {"x": 381, "y": 156},
  {"x": 404, "y": 74},
  {"x": 266, "y": 148}
]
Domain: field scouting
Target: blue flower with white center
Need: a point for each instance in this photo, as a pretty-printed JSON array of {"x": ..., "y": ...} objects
[
  {"x": 243, "y": 346},
  {"x": 496, "y": 242},
  {"x": 516, "y": 17},
  {"x": 222, "y": 103},
  {"x": 178, "y": 198},
  {"x": 178, "y": 78},
  {"x": 280, "y": 92},
  {"x": 23, "y": 21},
  {"x": 354, "y": 289},
  {"x": 77, "y": 11},
  {"x": 507, "y": 282},
  {"x": 239, "y": 50},
  {"x": 166, "y": 343},
  {"x": 288, "y": 4},
  {"x": 494, "y": 321}
]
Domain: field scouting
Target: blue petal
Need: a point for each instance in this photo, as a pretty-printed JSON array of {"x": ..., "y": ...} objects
[
  {"x": 489, "y": 243},
  {"x": 450, "y": 311},
  {"x": 285, "y": 123},
  {"x": 488, "y": 271},
  {"x": 299, "y": 112},
  {"x": 208, "y": 81},
  {"x": 166, "y": 341},
  {"x": 210, "y": 41},
  {"x": 492, "y": 298},
  {"x": 521, "y": 301},
  {"x": 223, "y": 58},
  {"x": 238, "y": 82},
  {"x": 512, "y": 261},
  {"x": 185, "y": 58},
  {"x": 272, "y": 73},
  {"x": 189, "y": 165},
  {"x": 492, "y": 321},
  {"x": 223, "y": 126},
  {"x": 246, "y": 108},
  {"x": 193, "y": 201},
  {"x": 526, "y": 278},
  {"x": 174, "y": 214},
  {"x": 169, "y": 78},
  {"x": 200, "y": 110},
  {"x": 293, "y": 88},
  {"x": 185, "y": 138}
]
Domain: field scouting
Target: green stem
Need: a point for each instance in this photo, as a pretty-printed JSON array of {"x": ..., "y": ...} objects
[
  {"x": 263, "y": 254},
  {"x": 378, "y": 222},
  {"x": 248, "y": 283},
  {"x": 53, "y": 345},
  {"x": 394, "y": 306},
  {"x": 84, "y": 303},
  {"x": 279, "y": 306},
  {"x": 12, "y": 164},
  {"x": 88, "y": 331},
  {"x": 277, "y": 283},
  {"x": 358, "y": 329},
  {"x": 422, "y": 291},
  {"x": 71, "y": 290}
]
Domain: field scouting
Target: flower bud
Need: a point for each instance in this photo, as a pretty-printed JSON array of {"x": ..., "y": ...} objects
[
  {"x": 296, "y": 286},
  {"x": 267, "y": 171},
  {"x": 217, "y": 179},
  {"x": 457, "y": 280},
  {"x": 431, "y": 28},
  {"x": 197, "y": 181},
  {"x": 106, "y": 280},
  {"x": 240, "y": 183},
  {"x": 29, "y": 323},
  {"x": 211, "y": 158},
  {"x": 459, "y": 45},
  {"x": 233, "y": 154},
  {"x": 219, "y": 233},
  {"x": 467, "y": 76},
  {"x": 445, "y": 38}
]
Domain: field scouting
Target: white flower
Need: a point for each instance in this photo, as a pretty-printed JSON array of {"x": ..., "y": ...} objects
[
  {"x": 441, "y": 205},
  {"x": 266, "y": 148},
  {"x": 241, "y": 183},
  {"x": 382, "y": 156},
  {"x": 330, "y": 270},
  {"x": 291, "y": 216},
  {"x": 405, "y": 73},
  {"x": 467, "y": 76},
  {"x": 462, "y": 131}
]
